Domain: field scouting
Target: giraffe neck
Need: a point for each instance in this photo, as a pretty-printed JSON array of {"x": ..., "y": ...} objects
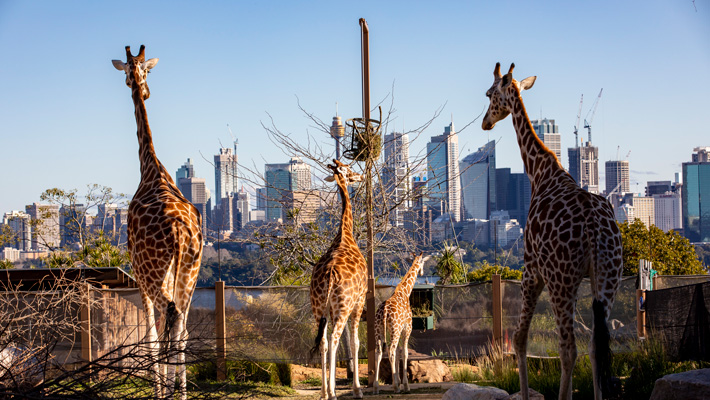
[
  {"x": 346, "y": 221},
  {"x": 408, "y": 281},
  {"x": 150, "y": 165},
  {"x": 535, "y": 154}
]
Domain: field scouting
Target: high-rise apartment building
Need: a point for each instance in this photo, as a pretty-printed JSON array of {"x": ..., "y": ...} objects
[
  {"x": 196, "y": 192},
  {"x": 225, "y": 173},
  {"x": 281, "y": 179},
  {"x": 668, "y": 211},
  {"x": 443, "y": 178},
  {"x": 45, "y": 235},
  {"x": 584, "y": 166},
  {"x": 617, "y": 177},
  {"x": 478, "y": 182},
  {"x": 696, "y": 196},
  {"x": 21, "y": 226},
  {"x": 548, "y": 131},
  {"x": 396, "y": 176}
]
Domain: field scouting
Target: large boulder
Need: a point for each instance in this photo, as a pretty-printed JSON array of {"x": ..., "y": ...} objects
[
  {"x": 421, "y": 368},
  {"x": 469, "y": 391},
  {"x": 533, "y": 395},
  {"x": 689, "y": 385}
]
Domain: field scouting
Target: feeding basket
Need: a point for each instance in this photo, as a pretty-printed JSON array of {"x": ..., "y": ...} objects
[{"x": 365, "y": 141}]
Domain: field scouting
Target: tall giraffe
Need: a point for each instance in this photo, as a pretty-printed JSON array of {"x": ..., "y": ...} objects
[
  {"x": 570, "y": 234},
  {"x": 396, "y": 313},
  {"x": 164, "y": 238},
  {"x": 338, "y": 288}
]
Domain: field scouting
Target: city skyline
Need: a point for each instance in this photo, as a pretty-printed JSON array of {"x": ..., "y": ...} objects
[{"x": 243, "y": 64}]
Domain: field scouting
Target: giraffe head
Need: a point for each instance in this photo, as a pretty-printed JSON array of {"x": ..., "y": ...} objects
[
  {"x": 418, "y": 264},
  {"x": 136, "y": 69},
  {"x": 343, "y": 174},
  {"x": 502, "y": 94}
]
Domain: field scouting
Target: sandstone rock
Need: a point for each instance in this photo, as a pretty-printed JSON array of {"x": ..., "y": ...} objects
[
  {"x": 531, "y": 393},
  {"x": 689, "y": 385},
  {"x": 421, "y": 368},
  {"x": 469, "y": 391}
]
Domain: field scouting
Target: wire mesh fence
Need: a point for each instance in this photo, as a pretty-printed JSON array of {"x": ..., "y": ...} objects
[{"x": 276, "y": 324}]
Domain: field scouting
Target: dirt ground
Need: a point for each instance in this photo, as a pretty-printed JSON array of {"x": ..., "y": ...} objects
[{"x": 306, "y": 391}]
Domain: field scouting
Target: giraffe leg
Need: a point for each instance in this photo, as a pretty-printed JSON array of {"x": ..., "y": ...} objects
[
  {"x": 378, "y": 359},
  {"x": 405, "y": 354},
  {"x": 355, "y": 347},
  {"x": 531, "y": 287},
  {"x": 338, "y": 326},
  {"x": 324, "y": 350},
  {"x": 563, "y": 308},
  {"x": 181, "y": 345},
  {"x": 393, "y": 360},
  {"x": 151, "y": 339}
]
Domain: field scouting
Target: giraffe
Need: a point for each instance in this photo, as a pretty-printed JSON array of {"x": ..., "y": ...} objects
[
  {"x": 396, "y": 313},
  {"x": 338, "y": 288},
  {"x": 164, "y": 239},
  {"x": 570, "y": 233}
]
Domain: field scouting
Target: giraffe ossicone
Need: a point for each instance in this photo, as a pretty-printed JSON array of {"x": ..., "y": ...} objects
[
  {"x": 395, "y": 315},
  {"x": 164, "y": 242},
  {"x": 569, "y": 234},
  {"x": 338, "y": 289}
]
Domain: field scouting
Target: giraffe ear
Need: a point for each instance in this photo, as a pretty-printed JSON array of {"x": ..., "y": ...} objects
[
  {"x": 505, "y": 81},
  {"x": 329, "y": 179},
  {"x": 527, "y": 83},
  {"x": 148, "y": 65},
  {"x": 119, "y": 65}
]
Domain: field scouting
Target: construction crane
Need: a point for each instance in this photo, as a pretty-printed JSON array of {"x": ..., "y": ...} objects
[
  {"x": 234, "y": 140},
  {"x": 576, "y": 124},
  {"x": 588, "y": 120}
]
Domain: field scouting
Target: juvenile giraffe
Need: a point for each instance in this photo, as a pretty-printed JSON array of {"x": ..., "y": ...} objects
[
  {"x": 338, "y": 288},
  {"x": 570, "y": 234},
  {"x": 396, "y": 313},
  {"x": 164, "y": 239}
]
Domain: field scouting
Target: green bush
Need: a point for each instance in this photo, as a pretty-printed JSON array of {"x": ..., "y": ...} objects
[
  {"x": 244, "y": 370},
  {"x": 484, "y": 272}
]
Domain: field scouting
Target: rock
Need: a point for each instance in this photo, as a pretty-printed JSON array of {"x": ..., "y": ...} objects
[
  {"x": 533, "y": 395},
  {"x": 469, "y": 391},
  {"x": 689, "y": 385},
  {"x": 421, "y": 368}
]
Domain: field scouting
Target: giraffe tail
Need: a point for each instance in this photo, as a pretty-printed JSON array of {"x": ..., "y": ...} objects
[
  {"x": 322, "y": 325},
  {"x": 602, "y": 348}
]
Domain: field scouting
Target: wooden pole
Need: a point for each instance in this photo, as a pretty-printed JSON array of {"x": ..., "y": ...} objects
[
  {"x": 370, "y": 298},
  {"x": 220, "y": 330},
  {"x": 641, "y": 313},
  {"x": 85, "y": 318},
  {"x": 497, "y": 311}
]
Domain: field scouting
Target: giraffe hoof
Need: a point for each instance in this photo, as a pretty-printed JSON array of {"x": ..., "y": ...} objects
[{"x": 357, "y": 394}]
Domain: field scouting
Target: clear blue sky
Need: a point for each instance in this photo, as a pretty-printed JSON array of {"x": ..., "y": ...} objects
[{"x": 66, "y": 117}]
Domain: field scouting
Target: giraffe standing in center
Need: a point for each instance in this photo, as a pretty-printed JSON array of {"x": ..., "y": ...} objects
[
  {"x": 570, "y": 234},
  {"x": 338, "y": 289},
  {"x": 164, "y": 240},
  {"x": 396, "y": 313}
]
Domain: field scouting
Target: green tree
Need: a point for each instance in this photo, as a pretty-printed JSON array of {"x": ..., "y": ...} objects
[
  {"x": 484, "y": 272},
  {"x": 448, "y": 268},
  {"x": 671, "y": 253}
]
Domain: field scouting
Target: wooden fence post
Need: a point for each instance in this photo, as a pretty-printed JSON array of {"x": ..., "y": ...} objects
[
  {"x": 220, "y": 330},
  {"x": 497, "y": 311},
  {"x": 641, "y": 313},
  {"x": 85, "y": 323}
]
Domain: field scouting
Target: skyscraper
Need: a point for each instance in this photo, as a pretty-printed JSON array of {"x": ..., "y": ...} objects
[
  {"x": 549, "y": 133},
  {"x": 478, "y": 182},
  {"x": 337, "y": 131},
  {"x": 395, "y": 176},
  {"x": 19, "y": 223},
  {"x": 696, "y": 196},
  {"x": 584, "y": 166},
  {"x": 513, "y": 193},
  {"x": 225, "y": 173},
  {"x": 45, "y": 235},
  {"x": 668, "y": 211},
  {"x": 196, "y": 192},
  {"x": 281, "y": 179},
  {"x": 443, "y": 173},
  {"x": 617, "y": 177},
  {"x": 186, "y": 170}
]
